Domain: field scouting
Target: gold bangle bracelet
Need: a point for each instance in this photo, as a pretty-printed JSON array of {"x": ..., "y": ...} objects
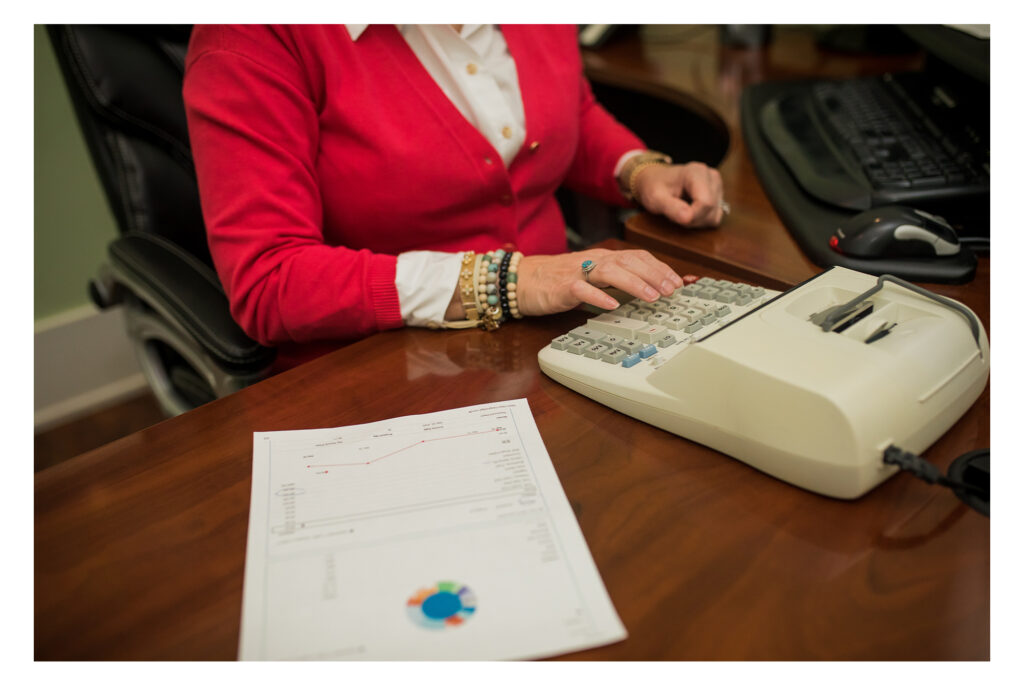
[
  {"x": 467, "y": 286},
  {"x": 631, "y": 171}
]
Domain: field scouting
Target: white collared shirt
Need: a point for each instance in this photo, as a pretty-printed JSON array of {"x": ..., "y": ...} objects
[{"x": 475, "y": 70}]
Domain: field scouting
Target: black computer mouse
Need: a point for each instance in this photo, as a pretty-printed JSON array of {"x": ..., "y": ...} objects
[{"x": 895, "y": 232}]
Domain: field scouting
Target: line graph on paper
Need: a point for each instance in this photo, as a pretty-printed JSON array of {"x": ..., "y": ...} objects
[{"x": 461, "y": 468}]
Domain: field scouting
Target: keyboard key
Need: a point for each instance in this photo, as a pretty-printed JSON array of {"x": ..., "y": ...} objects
[
  {"x": 648, "y": 350},
  {"x": 693, "y": 327},
  {"x": 631, "y": 360},
  {"x": 727, "y": 295},
  {"x": 706, "y": 281},
  {"x": 595, "y": 350},
  {"x": 722, "y": 311},
  {"x": 640, "y": 314}
]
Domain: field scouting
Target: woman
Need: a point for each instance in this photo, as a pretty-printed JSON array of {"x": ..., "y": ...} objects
[{"x": 349, "y": 173}]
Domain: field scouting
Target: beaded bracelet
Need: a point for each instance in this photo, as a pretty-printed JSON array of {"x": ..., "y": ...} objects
[{"x": 512, "y": 285}]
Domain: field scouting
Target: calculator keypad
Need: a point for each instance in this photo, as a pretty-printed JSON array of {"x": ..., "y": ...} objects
[{"x": 636, "y": 330}]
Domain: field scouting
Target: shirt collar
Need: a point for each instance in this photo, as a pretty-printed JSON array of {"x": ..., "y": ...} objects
[{"x": 356, "y": 30}]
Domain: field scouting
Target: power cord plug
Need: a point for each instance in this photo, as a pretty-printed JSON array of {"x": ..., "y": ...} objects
[{"x": 976, "y": 496}]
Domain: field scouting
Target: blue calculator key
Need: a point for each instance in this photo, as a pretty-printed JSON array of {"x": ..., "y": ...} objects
[
  {"x": 631, "y": 360},
  {"x": 648, "y": 350}
]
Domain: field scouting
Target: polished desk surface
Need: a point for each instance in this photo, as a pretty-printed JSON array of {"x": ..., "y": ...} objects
[{"x": 140, "y": 544}]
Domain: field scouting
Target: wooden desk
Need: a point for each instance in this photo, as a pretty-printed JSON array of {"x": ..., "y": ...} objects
[
  {"x": 690, "y": 65},
  {"x": 140, "y": 545}
]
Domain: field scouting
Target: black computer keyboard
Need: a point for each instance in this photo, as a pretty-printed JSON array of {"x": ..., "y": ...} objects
[{"x": 885, "y": 140}]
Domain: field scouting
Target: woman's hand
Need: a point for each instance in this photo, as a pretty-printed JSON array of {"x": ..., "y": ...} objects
[
  {"x": 551, "y": 284},
  {"x": 689, "y": 194}
]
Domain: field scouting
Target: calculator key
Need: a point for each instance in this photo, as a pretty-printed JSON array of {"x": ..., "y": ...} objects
[
  {"x": 611, "y": 340},
  {"x": 631, "y": 360},
  {"x": 708, "y": 292},
  {"x": 630, "y": 346},
  {"x": 658, "y": 305},
  {"x": 756, "y": 292},
  {"x": 559, "y": 343},
  {"x": 624, "y": 309},
  {"x": 667, "y": 339},
  {"x": 693, "y": 313},
  {"x": 706, "y": 281},
  {"x": 613, "y": 356},
  {"x": 708, "y": 318},
  {"x": 677, "y": 322},
  {"x": 590, "y": 333},
  {"x": 578, "y": 346},
  {"x": 693, "y": 327},
  {"x": 616, "y": 325},
  {"x": 659, "y": 318},
  {"x": 722, "y": 311},
  {"x": 595, "y": 350},
  {"x": 726, "y": 296},
  {"x": 648, "y": 350},
  {"x": 650, "y": 333},
  {"x": 743, "y": 299},
  {"x": 690, "y": 290},
  {"x": 640, "y": 314}
]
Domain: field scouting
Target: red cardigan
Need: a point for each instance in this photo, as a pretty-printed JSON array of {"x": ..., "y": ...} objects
[{"x": 320, "y": 159}]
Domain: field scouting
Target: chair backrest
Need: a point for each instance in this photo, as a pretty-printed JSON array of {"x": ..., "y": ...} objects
[{"x": 125, "y": 85}]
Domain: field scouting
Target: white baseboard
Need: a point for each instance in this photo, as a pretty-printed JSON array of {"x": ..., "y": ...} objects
[{"x": 83, "y": 363}]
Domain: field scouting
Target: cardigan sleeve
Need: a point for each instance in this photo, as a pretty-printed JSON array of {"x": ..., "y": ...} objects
[
  {"x": 602, "y": 142},
  {"x": 253, "y": 127}
]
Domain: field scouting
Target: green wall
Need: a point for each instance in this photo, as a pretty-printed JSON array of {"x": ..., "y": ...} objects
[{"x": 72, "y": 222}]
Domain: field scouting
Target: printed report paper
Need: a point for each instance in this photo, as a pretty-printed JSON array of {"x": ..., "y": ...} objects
[{"x": 444, "y": 536}]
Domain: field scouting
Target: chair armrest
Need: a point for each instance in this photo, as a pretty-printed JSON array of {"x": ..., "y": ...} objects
[{"x": 187, "y": 292}]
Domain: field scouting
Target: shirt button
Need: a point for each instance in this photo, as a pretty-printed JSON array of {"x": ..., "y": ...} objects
[
  {"x": 471, "y": 68},
  {"x": 506, "y": 132},
  {"x": 506, "y": 199}
]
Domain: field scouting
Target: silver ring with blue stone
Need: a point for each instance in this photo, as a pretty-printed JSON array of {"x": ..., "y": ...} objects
[{"x": 587, "y": 266}]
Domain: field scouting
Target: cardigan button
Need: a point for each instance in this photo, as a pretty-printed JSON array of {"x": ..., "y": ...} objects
[
  {"x": 505, "y": 199},
  {"x": 534, "y": 145}
]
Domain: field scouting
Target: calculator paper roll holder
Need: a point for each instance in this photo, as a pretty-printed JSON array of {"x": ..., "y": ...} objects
[{"x": 814, "y": 408}]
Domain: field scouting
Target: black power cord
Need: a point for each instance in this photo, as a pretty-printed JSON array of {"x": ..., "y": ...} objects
[{"x": 968, "y": 475}]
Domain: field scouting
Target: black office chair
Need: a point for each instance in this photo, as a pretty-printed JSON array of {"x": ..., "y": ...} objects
[{"x": 125, "y": 84}]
